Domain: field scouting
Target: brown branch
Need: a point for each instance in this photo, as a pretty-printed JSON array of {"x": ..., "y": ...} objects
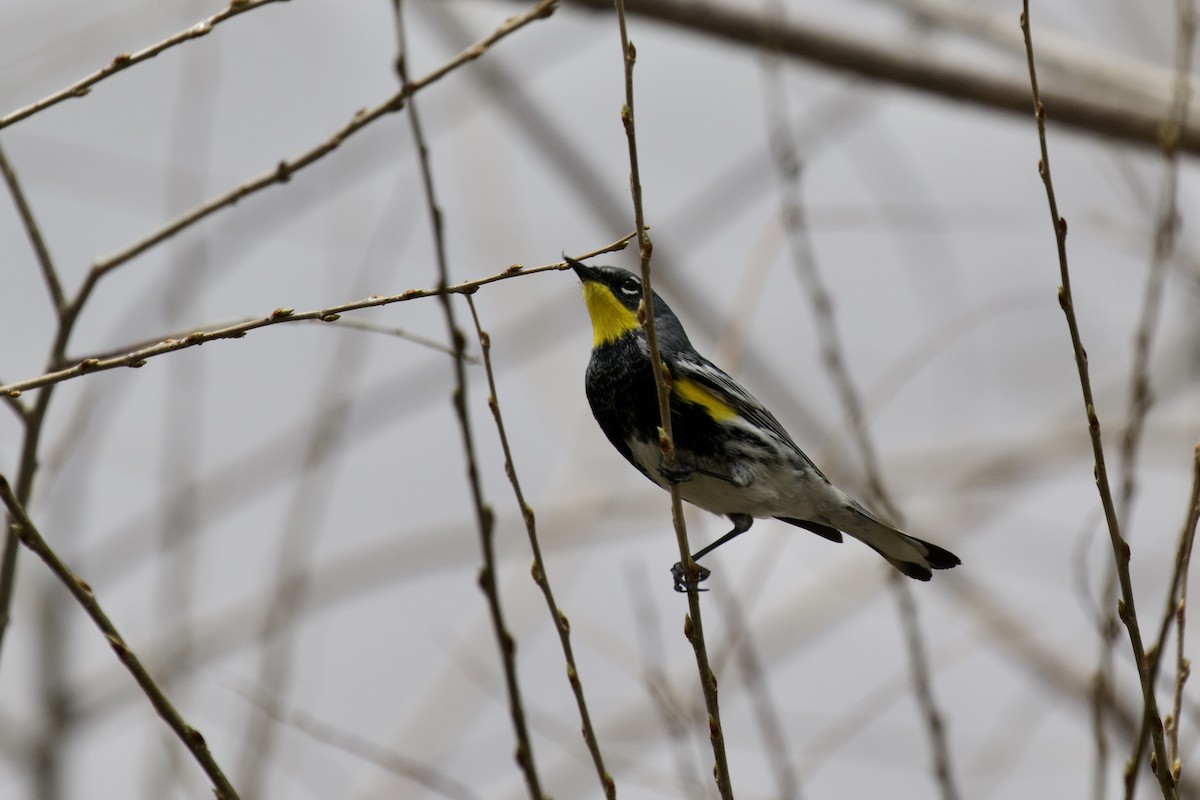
[
  {"x": 484, "y": 515},
  {"x": 24, "y": 529},
  {"x": 138, "y": 357},
  {"x": 1134, "y": 125},
  {"x": 561, "y": 624},
  {"x": 348, "y": 741},
  {"x": 49, "y": 273},
  {"x": 693, "y": 626},
  {"x": 788, "y": 165},
  {"x": 84, "y": 85},
  {"x": 70, "y": 311},
  {"x": 1183, "y": 559},
  {"x": 1141, "y": 397},
  {"x": 1126, "y": 610}
]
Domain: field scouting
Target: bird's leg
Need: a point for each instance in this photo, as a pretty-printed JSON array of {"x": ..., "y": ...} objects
[{"x": 688, "y": 583}]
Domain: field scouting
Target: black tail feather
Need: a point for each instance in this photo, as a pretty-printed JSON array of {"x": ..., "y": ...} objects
[{"x": 824, "y": 531}]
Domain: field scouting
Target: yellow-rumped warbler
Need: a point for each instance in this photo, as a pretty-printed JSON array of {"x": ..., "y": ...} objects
[{"x": 733, "y": 457}]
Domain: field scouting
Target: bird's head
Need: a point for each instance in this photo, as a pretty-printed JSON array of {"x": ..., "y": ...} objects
[{"x": 612, "y": 296}]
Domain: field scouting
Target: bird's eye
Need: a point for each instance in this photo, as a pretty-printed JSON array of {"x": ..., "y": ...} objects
[{"x": 629, "y": 286}]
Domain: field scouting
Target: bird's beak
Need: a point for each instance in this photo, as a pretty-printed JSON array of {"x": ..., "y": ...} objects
[{"x": 584, "y": 272}]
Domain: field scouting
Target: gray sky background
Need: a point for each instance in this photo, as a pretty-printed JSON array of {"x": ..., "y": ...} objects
[{"x": 183, "y": 491}]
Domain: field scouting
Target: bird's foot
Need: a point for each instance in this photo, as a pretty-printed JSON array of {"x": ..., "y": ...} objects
[
  {"x": 689, "y": 583},
  {"x": 675, "y": 474}
]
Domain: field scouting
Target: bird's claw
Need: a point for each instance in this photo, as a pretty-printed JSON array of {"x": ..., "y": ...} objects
[
  {"x": 675, "y": 474},
  {"x": 688, "y": 583}
]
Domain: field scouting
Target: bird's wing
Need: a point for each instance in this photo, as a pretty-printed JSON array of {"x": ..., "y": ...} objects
[{"x": 714, "y": 384}]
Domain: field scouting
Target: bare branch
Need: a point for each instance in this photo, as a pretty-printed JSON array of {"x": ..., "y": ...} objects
[
  {"x": 1126, "y": 609},
  {"x": 1101, "y": 117},
  {"x": 49, "y": 274},
  {"x": 84, "y": 85},
  {"x": 484, "y": 515},
  {"x": 137, "y": 358},
  {"x": 28, "y": 534},
  {"x": 693, "y": 625}
]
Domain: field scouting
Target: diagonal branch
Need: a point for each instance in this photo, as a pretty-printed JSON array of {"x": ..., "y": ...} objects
[
  {"x": 1126, "y": 610},
  {"x": 49, "y": 274},
  {"x": 1137, "y": 125},
  {"x": 84, "y": 85},
  {"x": 29, "y": 536},
  {"x": 484, "y": 515}
]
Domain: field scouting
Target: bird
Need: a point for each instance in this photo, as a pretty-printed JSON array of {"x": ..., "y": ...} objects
[{"x": 732, "y": 456}]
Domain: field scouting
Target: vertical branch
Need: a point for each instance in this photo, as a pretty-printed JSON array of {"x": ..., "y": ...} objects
[
  {"x": 25, "y": 531},
  {"x": 1126, "y": 610},
  {"x": 693, "y": 626},
  {"x": 484, "y": 516},
  {"x": 788, "y": 165},
  {"x": 1183, "y": 559},
  {"x": 561, "y": 624},
  {"x": 1141, "y": 396}
]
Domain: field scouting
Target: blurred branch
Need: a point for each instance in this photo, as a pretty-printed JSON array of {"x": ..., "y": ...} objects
[
  {"x": 693, "y": 625},
  {"x": 1182, "y": 664},
  {"x": 788, "y": 166},
  {"x": 667, "y": 707},
  {"x": 23, "y": 528},
  {"x": 349, "y": 742},
  {"x": 70, "y": 311},
  {"x": 285, "y": 169},
  {"x": 561, "y": 624},
  {"x": 49, "y": 274},
  {"x": 766, "y": 713},
  {"x": 1126, "y": 610},
  {"x": 484, "y": 515},
  {"x": 889, "y": 65},
  {"x": 1166, "y": 234},
  {"x": 1101, "y": 70},
  {"x": 138, "y": 358},
  {"x": 84, "y": 85}
]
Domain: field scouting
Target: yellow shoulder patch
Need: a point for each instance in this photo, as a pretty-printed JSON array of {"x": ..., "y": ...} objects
[
  {"x": 691, "y": 392},
  {"x": 610, "y": 319}
]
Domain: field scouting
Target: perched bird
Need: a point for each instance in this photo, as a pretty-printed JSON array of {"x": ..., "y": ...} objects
[{"x": 733, "y": 457}]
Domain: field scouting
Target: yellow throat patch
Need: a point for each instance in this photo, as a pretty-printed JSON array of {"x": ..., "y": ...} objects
[{"x": 610, "y": 319}]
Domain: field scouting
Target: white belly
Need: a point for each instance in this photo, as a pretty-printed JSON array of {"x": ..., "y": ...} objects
[{"x": 758, "y": 491}]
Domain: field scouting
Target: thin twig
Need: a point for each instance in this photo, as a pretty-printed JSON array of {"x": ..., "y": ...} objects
[
  {"x": 71, "y": 310},
  {"x": 668, "y": 708},
  {"x": 540, "y": 577},
  {"x": 770, "y": 726},
  {"x": 360, "y": 747},
  {"x": 84, "y": 85},
  {"x": 400, "y": 333},
  {"x": 693, "y": 626},
  {"x": 344, "y": 322},
  {"x": 788, "y": 164},
  {"x": 286, "y": 169},
  {"x": 49, "y": 273},
  {"x": 137, "y": 358},
  {"x": 1126, "y": 610},
  {"x": 484, "y": 515},
  {"x": 24, "y": 529},
  {"x": 1141, "y": 397},
  {"x": 1182, "y": 663}
]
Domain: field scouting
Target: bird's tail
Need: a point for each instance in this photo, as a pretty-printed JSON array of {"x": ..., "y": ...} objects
[{"x": 914, "y": 557}]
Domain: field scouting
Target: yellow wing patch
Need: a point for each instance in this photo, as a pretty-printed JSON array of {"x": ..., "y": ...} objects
[
  {"x": 610, "y": 319},
  {"x": 691, "y": 392}
]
